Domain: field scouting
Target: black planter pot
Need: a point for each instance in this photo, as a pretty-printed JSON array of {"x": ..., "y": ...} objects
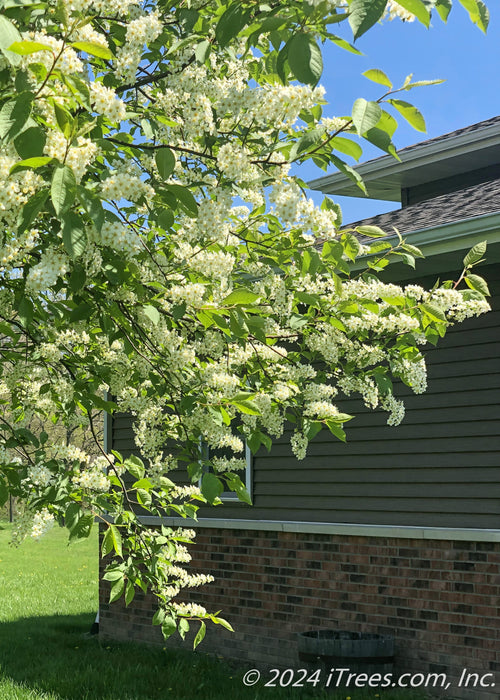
[{"x": 338, "y": 649}]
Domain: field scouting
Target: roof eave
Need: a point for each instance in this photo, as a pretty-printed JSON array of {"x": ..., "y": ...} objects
[{"x": 383, "y": 176}]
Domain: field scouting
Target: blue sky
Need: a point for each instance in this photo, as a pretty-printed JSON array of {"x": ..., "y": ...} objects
[{"x": 457, "y": 51}]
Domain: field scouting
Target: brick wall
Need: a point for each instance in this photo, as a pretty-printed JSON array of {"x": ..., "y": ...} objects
[{"x": 439, "y": 599}]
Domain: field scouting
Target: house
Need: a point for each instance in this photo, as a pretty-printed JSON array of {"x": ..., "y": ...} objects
[{"x": 398, "y": 530}]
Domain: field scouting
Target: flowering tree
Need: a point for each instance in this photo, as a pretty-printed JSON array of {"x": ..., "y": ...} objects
[{"x": 159, "y": 259}]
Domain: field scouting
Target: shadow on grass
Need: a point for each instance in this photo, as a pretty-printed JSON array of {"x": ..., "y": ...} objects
[
  {"x": 56, "y": 655},
  {"x": 55, "y": 658}
]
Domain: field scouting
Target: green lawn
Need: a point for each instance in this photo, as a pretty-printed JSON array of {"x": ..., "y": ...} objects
[{"x": 48, "y": 600}]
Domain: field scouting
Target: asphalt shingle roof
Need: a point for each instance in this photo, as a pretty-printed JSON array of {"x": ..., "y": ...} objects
[{"x": 475, "y": 200}]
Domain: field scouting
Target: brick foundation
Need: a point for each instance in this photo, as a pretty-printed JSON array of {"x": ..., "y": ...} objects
[{"x": 439, "y": 599}]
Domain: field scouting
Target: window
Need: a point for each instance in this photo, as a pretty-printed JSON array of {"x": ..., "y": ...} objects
[{"x": 245, "y": 476}]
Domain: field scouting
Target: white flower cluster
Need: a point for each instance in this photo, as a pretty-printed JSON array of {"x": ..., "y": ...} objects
[
  {"x": 41, "y": 277},
  {"x": 140, "y": 32},
  {"x": 413, "y": 373},
  {"x": 395, "y": 407},
  {"x": 191, "y": 294},
  {"x": 111, "y": 7},
  {"x": 105, "y": 101},
  {"x": 114, "y": 235},
  {"x": 43, "y": 521},
  {"x": 39, "y": 475},
  {"x": 189, "y": 609},
  {"x": 299, "y": 444},
  {"x": 15, "y": 190},
  {"x": 394, "y": 10},
  {"x": 233, "y": 161},
  {"x": 78, "y": 157},
  {"x": 32, "y": 524},
  {"x": 226, "y": 464},
  {"x": 187, "y": 579},
  {"x": 122, "y": 185},
  {"x": 13, "y": 251},
  {"x": 92, "y": 480},
  {"x": 320, "y": 409},
  {"x": 185, "y": 492},
  {"x": 214, "y": 264},
  {"x": 67, "y": 58}
]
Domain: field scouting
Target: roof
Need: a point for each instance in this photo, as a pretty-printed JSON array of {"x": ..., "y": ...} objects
[
  {"x": 466, "y": 203},
  {"x": 472, "y": 148}
]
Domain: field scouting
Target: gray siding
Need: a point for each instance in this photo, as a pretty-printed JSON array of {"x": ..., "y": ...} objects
[{"x": 439, "y": 468}]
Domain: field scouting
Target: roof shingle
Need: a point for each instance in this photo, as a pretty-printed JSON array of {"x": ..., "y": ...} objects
[{"x": 469, "y": 202}]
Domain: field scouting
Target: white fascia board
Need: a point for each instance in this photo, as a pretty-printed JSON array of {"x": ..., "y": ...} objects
[{"x": 415, "y": 157}]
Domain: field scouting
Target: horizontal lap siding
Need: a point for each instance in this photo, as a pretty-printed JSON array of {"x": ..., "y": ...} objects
[{"x": 439, "y": 468}]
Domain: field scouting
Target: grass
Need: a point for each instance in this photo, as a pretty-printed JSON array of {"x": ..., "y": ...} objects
[{"x": 48, "y": 601}]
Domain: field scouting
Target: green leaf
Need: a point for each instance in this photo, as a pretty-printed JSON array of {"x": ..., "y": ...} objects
[
  {"x": 116, "y": 540},
  {"x": 135, "y": 466},
  {"x": 248, "y": 407},
  {"x": 220, "y": 621},
  {"x": 413, "y": 250},
  {"x": 200, "y": 635},
  {"x": 371, "y": 231},
  {"x": 31, "y": 163},
  {"x": 477, "y": 283},
  {"x": 14, "y": 115},
  {"x": 129, "y": 592},
  {"x": 8, "y": 36},
  {"x": 74, "y": 235},
  {"x": 308, "y": 140},
  {"x": 107, "y": 543},
  {"x": 185, "y": 198},
  {"x": 63, "y": 189},
  {"x": 183, "y": 627},
  {"x": 235, "y": 484},
  {"x": 478, "y": 13},
  {"x": 417, "y": 8},
  {"x": 25, "y": 311},
  {"x": 211, "y": 487},
  {"x": 30, "y": 143},
  {"x": 434, "y": 312},
  {"x": 202, "y": 50},
  {"x": 64, "y": 120},
  {"x": 92, "y": 205},
  {"x": 152, "y": 313},
  {"x": 350, "y": 148},
  {"x": 378, "y": 76},
  {"x": 412, "y": 115},
  {"x": 93, "y": 49},
  {"x": 304, "y": 58},
  {"x": 241, "y": 297},
  {"x": 117, "y": 588},
  {"x": 230, "y": 24},
  {"x": 350, "y": 172},
  {"x": 363, "y": 14},
  {"x": 82, "y": 527},
  {"x": 25, "y": 47},
  {"x": 443, "y": 8},
  {"x": 165, "y": 162},
  {"x": 72, "y": 515},
  {"x": 31, "y": 209},
  {"x": 475, "y": 254},
  {"x": 352, "y": 246},
  {"x": 168, "y": 627},
  {"x": 365, "y": 115},
  {"x": 4, "y": 493}
]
